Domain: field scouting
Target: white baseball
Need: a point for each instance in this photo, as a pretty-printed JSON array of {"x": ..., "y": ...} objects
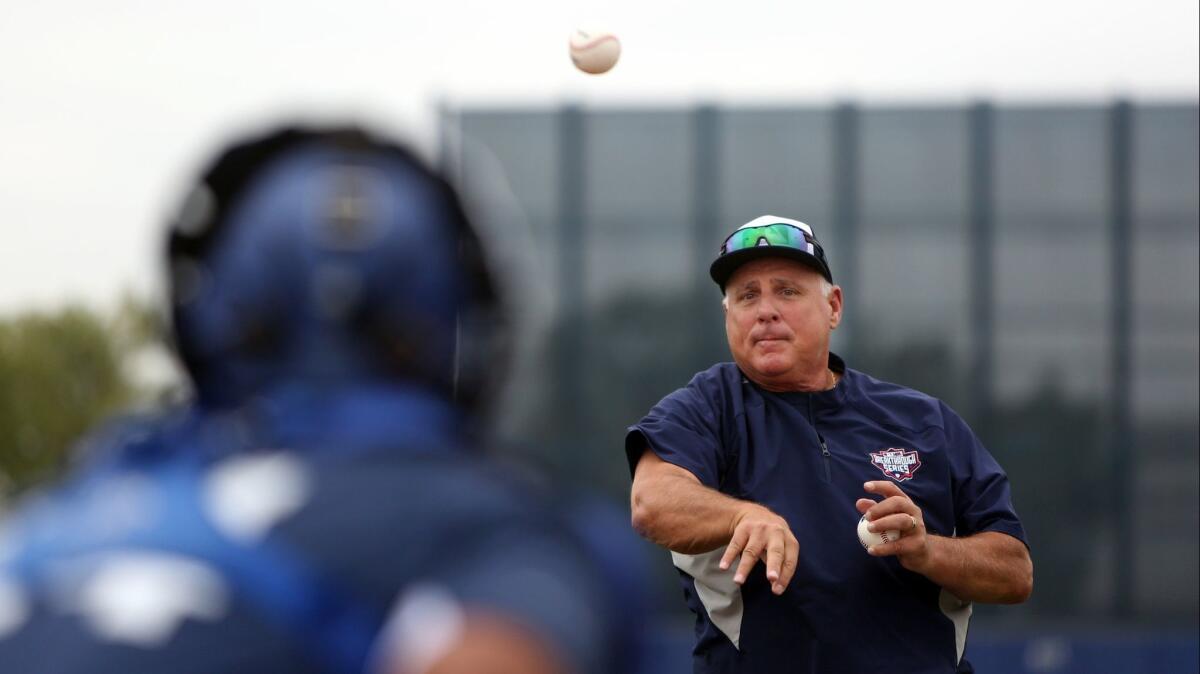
[
  {"x": 869, "y": 538},
  {"x": 594, "y": 51}
]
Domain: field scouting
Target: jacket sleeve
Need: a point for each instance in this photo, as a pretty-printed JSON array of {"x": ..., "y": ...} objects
[
  {"x": 684, "y": 429},
  {"x": 982, "y": 498}
]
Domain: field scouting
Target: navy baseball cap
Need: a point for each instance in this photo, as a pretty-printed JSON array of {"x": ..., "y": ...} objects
[{"x": 769, "y": 236}]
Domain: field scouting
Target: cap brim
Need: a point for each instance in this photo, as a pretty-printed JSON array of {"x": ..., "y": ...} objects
[{"x": 723, "y": 267}]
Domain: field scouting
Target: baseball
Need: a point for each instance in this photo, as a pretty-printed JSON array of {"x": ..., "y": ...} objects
[
  {"x": 594, "y": 51},
  {"x": 868, "y": 538}
]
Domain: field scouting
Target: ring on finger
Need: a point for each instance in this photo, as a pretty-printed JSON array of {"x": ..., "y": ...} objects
[{"x": 914, "y": 522}]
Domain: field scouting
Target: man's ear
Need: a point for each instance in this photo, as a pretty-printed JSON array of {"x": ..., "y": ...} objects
[{"x": 835, "y": 304}]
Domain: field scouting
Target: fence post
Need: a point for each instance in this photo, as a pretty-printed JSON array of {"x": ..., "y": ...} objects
[
  {"x": 1120, "y": 356},
  {"x": 706, "y": 228},
  {"x": 846, "y": 178},
  {"x": 571, "y": 270},
  {"x": 981, "y": 202}
]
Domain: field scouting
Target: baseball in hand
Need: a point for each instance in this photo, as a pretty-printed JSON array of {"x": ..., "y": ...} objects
[
  {"x": 868, "y": 538},
  {"x": 594, "y": 51}
]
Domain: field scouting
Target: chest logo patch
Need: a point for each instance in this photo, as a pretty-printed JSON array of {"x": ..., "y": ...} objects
[{"x": 897, "y": 463}]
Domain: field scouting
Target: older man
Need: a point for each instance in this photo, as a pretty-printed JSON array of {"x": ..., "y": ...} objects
[{"x": 773, "y": 458}]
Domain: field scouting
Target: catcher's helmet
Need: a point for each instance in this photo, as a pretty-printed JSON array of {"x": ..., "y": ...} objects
[{"x": 329, "y": 255}]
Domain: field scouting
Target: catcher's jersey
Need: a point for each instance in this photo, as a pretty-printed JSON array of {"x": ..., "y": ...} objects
[{"x": 202, "y": 546}]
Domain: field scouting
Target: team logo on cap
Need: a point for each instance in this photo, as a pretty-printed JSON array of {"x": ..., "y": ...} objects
[{"x": 898, "y": 464}]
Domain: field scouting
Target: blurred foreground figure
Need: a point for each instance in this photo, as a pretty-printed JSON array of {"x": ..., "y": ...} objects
[{"x": 321, "y": 506}]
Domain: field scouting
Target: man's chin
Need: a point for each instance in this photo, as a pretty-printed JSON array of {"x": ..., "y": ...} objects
[{"x": 770, "y": 368}]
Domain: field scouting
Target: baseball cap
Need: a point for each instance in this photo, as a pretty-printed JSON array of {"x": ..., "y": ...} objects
[{"x": 769, "y": 236}]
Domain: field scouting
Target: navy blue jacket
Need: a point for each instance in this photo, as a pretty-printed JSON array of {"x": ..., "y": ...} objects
[{"x": 806, "y": 456}]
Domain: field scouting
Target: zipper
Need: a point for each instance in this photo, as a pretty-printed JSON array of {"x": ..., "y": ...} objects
[{"x": 825, "y": 455}]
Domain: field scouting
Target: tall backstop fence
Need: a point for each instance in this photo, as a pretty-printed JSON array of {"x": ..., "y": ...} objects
[{"x": 1034, "y": 266}]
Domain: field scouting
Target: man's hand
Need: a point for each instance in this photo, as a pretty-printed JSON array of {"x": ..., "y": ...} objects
[
  {"x": 670, "y": 507},
  {"x": 896, "y": 512},
  {"x": 988, "y": 566},
  {"x": 756, "y": 531}
]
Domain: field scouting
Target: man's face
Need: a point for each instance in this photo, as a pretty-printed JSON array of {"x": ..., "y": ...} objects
[{"x": 778, "y": 322}]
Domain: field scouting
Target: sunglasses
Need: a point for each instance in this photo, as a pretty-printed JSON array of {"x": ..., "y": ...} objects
[{"x": 778, "y": 234}]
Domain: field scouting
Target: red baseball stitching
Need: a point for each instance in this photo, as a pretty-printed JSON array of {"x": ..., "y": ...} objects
[{"x": 588, "y": 45}]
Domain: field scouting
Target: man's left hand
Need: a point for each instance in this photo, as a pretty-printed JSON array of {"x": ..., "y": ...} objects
[{"x": 896, "y": 512}]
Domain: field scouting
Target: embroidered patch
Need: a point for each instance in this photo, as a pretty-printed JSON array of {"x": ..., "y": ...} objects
[{"x": 897, "y": 463}]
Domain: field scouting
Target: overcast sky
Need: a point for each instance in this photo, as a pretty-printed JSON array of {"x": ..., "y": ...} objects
[{"x": 106, "y": 106}]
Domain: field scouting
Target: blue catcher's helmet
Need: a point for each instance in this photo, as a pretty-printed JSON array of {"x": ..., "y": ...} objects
[{"x": 329, "y": 256}]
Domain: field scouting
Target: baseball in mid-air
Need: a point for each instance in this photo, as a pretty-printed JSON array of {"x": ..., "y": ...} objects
[
  {"x": 594, "y": 51},
  {"x": 869, "y": 538}
]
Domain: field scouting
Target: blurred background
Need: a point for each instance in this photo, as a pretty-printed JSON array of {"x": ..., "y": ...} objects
[{"x": 1009, "y": 196}]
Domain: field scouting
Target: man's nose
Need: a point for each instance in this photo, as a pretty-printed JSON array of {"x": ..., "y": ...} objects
[{"x": 767, "y": 313}]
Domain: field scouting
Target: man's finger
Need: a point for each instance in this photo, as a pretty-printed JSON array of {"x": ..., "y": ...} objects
[
  {"x": 890, "y": 506},
  {"x": 775, "y": 555},
  {"x": 884, "y": 488},
  {"x": 734, "y": 548},
  {"x": 884, "y": 549},
  {"x": 900, "y": 547},
  {"x": 863, "y": 505},
  {"x": 749, "y": 558},
  {"x": 902, "y": 522},
  {"x": 791, "y": 559}
]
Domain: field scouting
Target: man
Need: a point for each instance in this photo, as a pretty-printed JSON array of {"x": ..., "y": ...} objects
[
  {"x": 322, "y": 505},
  {"x": 756, "y": 473}
]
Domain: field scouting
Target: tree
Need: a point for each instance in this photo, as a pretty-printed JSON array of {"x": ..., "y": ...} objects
[{"x": 60, "y": 374}]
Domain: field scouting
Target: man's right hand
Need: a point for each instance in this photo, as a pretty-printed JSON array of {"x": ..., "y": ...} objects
[
  {"x": 758, "y": 533},
  {"x": 672, "y": 508}
]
